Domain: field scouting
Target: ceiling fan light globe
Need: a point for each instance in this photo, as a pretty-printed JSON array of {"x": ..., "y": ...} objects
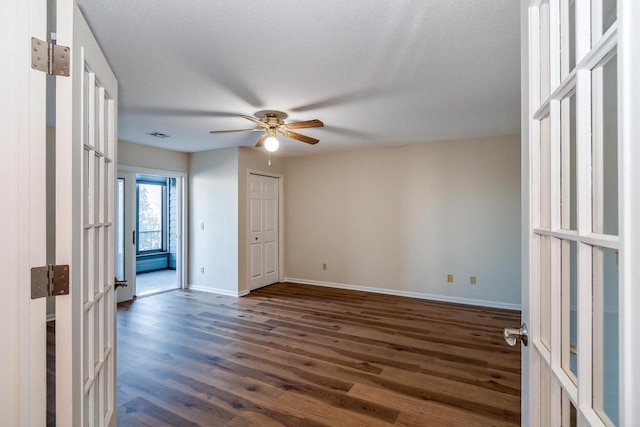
[{"x": 271, "y": 144}]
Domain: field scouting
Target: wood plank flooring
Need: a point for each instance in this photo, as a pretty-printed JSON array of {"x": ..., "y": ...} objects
[{"x": 299, "y": 355}]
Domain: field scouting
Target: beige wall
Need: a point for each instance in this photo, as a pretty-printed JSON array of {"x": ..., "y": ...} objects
[
  {"x": 213, "y": 201},
  {"x": 144, "y": 156},
  {"x": 253, "y": 160},
  {"x": 400, "y": 219}
]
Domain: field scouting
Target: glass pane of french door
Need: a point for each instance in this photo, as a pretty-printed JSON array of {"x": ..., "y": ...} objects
[
  {"x": 605, "y": 333},
  {"x": 604, "y": 82}
]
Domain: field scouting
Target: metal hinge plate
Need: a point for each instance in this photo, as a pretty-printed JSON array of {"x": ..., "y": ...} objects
[
  {"x": 49, "y": 281},
  {"x": 51, "y": 58}
]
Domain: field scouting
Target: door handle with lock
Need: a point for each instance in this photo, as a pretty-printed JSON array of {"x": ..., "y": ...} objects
[
  {"x": 119, "y": 283},
  {"x": 511, "y": 335}
]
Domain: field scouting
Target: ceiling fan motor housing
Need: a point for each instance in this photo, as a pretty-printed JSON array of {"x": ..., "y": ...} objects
[{"x": 272, "y": 120}]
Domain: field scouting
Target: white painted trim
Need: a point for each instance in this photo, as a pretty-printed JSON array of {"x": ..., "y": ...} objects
[
  {"x": 629, "y": 215},
  {"x": 530, "y": 364},
  {"x": 408, "y": 294},
  {"x": 584, "y": 206},
  {"x": 217, "y": 291},
  {"x": 129, "y": 227},
  {"x": 151, "y": 171}
]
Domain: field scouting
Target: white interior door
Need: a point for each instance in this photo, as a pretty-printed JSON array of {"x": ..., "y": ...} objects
[
  {"x": 86, "y": 110},
  {"x": 263, "y": 230},
  {"x": 576, "y": 217}
]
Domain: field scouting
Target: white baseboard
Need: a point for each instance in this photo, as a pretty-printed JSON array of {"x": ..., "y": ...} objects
[
  {"x": 420, "y": 295},
  {"x": 218, "y": 291},
  {"x": 51, "y": 317}
]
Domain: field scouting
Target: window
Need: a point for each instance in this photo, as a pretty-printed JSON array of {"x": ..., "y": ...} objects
[{"x": 151, "y": 198}]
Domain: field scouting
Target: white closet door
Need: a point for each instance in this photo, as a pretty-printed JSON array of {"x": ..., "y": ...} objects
[{"x": 263, "y": 231}]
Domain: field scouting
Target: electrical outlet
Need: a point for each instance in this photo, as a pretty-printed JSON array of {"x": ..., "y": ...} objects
[
  {"x": 201, "y": 270},
  {"x": 449, "y": 278},
  {"x": 324, "y": 266},
  {"x": 202, "y": 226},
  {"x": 472, "y": 280}
]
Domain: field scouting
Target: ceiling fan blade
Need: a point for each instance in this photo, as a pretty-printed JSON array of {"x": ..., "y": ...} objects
[
  {"x": 261, "y": 140},
  {"x": 254, "y": 120},
  {"x": 300, "y": 137},
  {"x": 235, "y": 130},
  {"x": 306, "y": 124}
]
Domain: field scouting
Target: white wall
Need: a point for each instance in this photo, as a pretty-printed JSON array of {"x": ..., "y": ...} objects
[
  {"x": 401, "y": 219},
  {"x": 144, "y": 156},
  {"x": 256, "y": 161},
  {"x": 213, "y": 201}
]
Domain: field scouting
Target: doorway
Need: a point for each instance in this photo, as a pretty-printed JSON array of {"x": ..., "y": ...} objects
[{"x": 150, "y": 230}]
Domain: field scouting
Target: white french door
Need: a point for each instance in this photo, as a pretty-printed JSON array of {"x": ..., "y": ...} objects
[
  {"x": 263, "y": 231},
  {"x": 577, "y": 228},
  {"x": 86, "y": 135}
]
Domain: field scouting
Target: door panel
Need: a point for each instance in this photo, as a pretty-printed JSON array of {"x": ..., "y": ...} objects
[
  {"x": 270, "y": 215},
  {"x": 270, "y": 258},
  {"x": 86, "y": 109},
  {"x": 256, "y": 261},
  {"x": 255, "y": 210}
]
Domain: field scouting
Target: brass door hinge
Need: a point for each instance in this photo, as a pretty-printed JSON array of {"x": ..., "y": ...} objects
[
  {"x": 51, "y": 58},
  {"x": 49, "y": 281}
]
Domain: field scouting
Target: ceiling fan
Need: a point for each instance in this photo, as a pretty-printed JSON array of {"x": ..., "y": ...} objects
[{"x": 271, "y": 123}]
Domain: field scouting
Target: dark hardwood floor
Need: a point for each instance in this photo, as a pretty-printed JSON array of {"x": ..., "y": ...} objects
[{"x": 294, "y": 355}]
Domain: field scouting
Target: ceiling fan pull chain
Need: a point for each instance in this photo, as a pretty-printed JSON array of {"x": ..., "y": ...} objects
[{"x": 269, "y": 158}]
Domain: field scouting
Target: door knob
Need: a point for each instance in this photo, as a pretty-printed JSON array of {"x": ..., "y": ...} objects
[
  {"x": 511, "y": 335},
  {"x": 119, "y": 283}
]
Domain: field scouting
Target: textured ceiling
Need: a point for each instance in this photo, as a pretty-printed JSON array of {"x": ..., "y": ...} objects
[{"x": 377, "y": 73}]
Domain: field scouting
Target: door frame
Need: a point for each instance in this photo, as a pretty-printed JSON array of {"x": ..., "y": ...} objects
[
  {"x": 247, "y": 225},
  {"x": 628, "y": 136},
  {"x": 22, "y": 116},
  {"x": 130, "y": 259},
  {"x": 530, "y": 394}
]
